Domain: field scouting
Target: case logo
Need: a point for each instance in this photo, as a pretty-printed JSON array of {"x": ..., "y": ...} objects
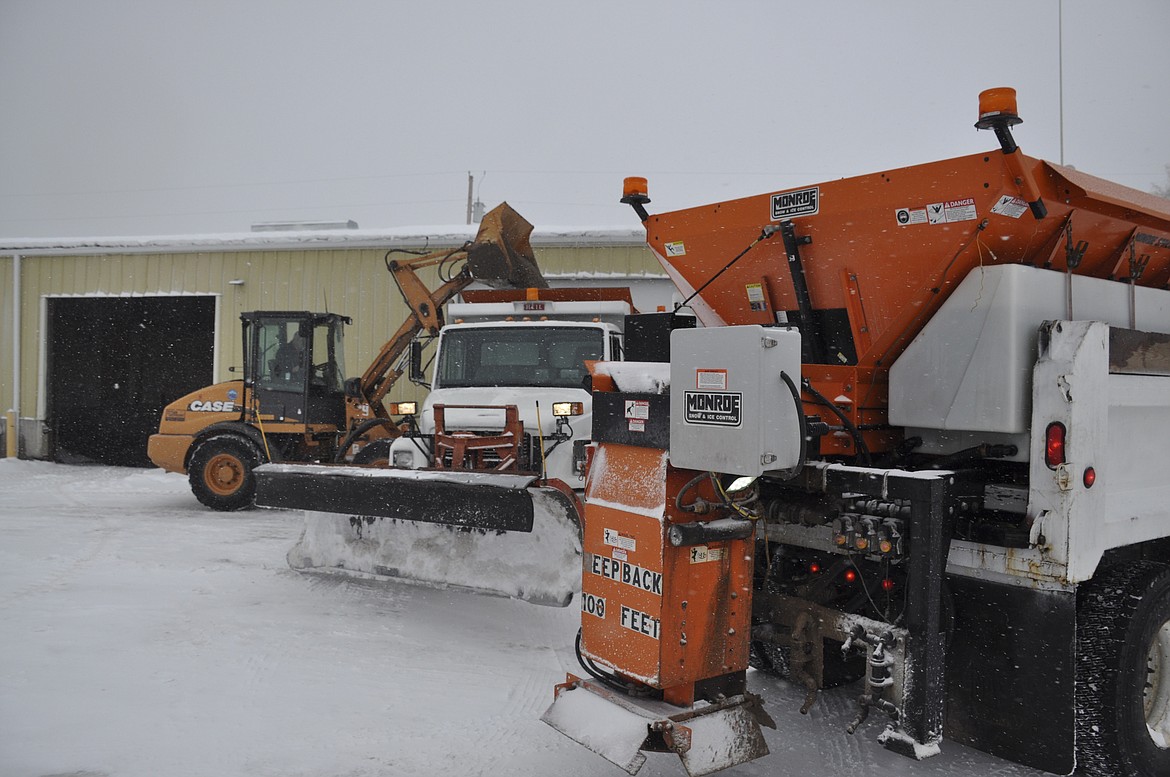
[{"x": 218, "y": 406}]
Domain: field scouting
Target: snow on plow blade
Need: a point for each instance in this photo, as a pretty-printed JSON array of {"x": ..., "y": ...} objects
[
  {"x": 619, "y": 727},
  {"x": 494, "y": 533}
]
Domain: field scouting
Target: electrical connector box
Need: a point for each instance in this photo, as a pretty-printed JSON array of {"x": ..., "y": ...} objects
[{"x": 731, "y": 410}]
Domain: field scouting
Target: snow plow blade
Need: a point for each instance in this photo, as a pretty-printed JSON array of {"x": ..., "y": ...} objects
[
  {"x": 620, "y": 728},
  {"x": 502, "y": 534}
]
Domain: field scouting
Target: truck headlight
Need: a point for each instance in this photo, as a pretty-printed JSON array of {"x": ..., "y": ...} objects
[
  {"x": 403, "y": 408},
  {"x": 403, "y": 458},
  {"x": 568, "y": 408}
]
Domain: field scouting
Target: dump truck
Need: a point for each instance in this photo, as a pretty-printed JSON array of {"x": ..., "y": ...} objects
[
  {"x": 914, "y": 447},
  {"x": 293, "y": 402},
  {"x": 482, "y": 490}
]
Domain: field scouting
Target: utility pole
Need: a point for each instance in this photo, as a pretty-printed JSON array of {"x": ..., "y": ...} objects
[
  {"x": 474, "y": 206},
  {"x": 470, "y": 184}
]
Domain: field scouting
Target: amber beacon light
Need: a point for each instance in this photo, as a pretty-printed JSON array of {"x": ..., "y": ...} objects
[
  {"x": 998, "y": 105},
  {"x": 635, "y": 193}
]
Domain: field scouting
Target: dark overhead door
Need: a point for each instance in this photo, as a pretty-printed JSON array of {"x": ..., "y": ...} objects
[{"x": 114, "y": 363}]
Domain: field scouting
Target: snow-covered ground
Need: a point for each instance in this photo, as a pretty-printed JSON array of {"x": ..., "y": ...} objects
[{"x": 142, "y": 635}]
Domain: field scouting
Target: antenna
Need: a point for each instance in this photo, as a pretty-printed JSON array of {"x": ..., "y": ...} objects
[{"x": 1060, "y": 70}]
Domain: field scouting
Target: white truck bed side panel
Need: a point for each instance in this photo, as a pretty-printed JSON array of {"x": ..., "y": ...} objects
[{"x": 970, "y": 368}]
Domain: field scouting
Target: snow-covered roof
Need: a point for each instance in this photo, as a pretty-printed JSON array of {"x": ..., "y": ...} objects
[{"x": 437, "y": 237}]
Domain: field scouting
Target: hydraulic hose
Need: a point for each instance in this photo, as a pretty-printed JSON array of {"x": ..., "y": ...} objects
[{"x": 858, "y": 440}]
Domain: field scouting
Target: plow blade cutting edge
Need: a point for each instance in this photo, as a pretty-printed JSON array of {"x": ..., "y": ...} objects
[{"x": 494, "y": 533}]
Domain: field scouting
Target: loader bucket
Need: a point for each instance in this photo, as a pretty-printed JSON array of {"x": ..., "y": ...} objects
[
  {"x": 501, "y": 534},
  {"x": 501, "y": 255}
]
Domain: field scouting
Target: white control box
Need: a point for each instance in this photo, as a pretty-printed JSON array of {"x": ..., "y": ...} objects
[{"x": 730, "y": 408}]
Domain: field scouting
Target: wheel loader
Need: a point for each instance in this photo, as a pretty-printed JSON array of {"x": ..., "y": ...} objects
[
  {"x": 916, "y": 448},
  {"x": 293, "y": 402}
]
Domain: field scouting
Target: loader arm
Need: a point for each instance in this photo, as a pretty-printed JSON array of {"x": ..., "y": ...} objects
[
  {"x": 499, "y": 256},
  {"x": 426, "y": 314}
]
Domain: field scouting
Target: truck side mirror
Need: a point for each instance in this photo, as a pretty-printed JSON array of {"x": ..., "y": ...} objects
[{"x": 416, "y": 370}]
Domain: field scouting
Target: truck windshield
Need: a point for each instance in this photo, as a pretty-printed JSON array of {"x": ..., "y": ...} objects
[{"x": 517, "y": 356}]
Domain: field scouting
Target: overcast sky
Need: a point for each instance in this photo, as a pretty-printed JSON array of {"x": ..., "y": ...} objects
[{"x": 157, "y": 117}]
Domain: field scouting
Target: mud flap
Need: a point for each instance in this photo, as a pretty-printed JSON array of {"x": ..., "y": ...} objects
[
  {"x": 492, "y": 533},
  {"x": 619, "y": 728}
]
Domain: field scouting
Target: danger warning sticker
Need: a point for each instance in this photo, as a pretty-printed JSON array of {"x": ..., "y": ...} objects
[
  {"x": 676, "y": 249},
  {"x": 638, "y": 408},
  {"x": 616, "y": 539},
  {"x": 1012, "y": 207},
  {"x": 701, "y": 554},
  {"x": 711, "y": 380},
  {"x": 951, "y": 211}
]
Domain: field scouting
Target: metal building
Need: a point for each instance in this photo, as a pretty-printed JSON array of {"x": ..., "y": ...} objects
[{"x": 98, "y": 335}]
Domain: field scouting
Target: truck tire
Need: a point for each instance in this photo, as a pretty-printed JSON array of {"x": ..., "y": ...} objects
[
  {"x": 1123, "y": 672},
  {"x": 220, "y": 472}
]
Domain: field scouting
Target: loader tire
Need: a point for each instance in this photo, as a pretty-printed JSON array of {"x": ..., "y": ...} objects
[
  {"x": 221, "y": 472},
  {"x": 1123, "y": 672}
]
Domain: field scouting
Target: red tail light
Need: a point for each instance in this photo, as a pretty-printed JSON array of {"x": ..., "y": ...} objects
[
  {"x": 1054, "y": 445},
  {"x": 850, "y": 575}
]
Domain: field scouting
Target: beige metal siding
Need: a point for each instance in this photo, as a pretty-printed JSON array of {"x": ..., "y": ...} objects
[
  {"x": 351, "y": 281},
  {"x": 6, "y": 305}
]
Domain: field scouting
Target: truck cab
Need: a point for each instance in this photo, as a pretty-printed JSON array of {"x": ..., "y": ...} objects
[{"x": 529, "y": 354}]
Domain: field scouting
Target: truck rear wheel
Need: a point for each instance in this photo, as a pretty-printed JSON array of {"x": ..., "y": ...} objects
[
  {"x": 1123, "y": 672},
  {"x": 220, "y": 472}
]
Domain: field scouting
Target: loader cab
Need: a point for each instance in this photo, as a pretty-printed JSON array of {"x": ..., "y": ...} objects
[{"x": 294, "y": 366}]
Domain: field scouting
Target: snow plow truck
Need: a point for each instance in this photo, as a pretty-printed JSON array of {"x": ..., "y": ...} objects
[
  {"x": 915, "y": 447},
  {"x": 482, "y": 489},
  {"x": 510, "y": 407}
]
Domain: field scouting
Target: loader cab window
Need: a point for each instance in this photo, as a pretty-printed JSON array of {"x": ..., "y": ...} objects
[
  {"x": 326, "y": 360},
  {"x": 281, "y": 350},
  {"x": 517, "y": 356}
]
